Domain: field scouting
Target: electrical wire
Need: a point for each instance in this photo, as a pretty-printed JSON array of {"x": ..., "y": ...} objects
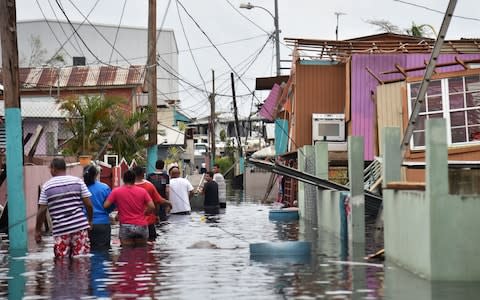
[
  {"x": 255, "y": 24},
  {"x": 79, "y": 50},
  {"x": 118, "y": 30},
  {"x": 254, "y": 59},
  {"x": 75, "y": 31},
  {"x": 245, "y": 68},
  {"x": 436, "y": 10},
  {"x": 98, "y": 31},
  {"x": 62, "y": 45},
  {"x": 51, "y": 29},
  {"x": 191, "y": 84},
  {"x": 108, "y": 42},
  {"x": 163, "y": 19},
  {"x": 190, "y": 48},
  {"x": 216, "y": 48}
]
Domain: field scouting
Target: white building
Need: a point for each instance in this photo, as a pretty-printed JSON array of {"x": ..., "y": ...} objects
[{"x": 39, "y": 41}]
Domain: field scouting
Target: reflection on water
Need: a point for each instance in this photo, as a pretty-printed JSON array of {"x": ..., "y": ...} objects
[{"x": 207, "y": 257}]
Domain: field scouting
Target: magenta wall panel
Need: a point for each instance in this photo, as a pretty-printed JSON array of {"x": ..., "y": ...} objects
[{"x": 363, "y": 86}]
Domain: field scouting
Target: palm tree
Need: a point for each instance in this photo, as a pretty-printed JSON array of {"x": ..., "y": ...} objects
[
  {"x": 424, "y": 30},
  {"x": 385, "y": 26},
  {"x": 97, "y": 123}
]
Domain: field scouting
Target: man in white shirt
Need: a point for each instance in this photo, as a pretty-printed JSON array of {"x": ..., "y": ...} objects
[
  {"x": 222, "y": 187},
  {"x": 181, "y": 190}
]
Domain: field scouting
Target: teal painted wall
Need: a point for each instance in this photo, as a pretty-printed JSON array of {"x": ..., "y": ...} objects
[
  {"x": 15, "y": 180},
  {"x": 152, "y": 156},
  {"x": 281, "y": 136}
]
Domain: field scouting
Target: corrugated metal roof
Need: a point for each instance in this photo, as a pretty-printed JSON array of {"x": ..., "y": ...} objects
[
  {"x": 81, "y": 76},
  {"x": 341, "y": 50}
]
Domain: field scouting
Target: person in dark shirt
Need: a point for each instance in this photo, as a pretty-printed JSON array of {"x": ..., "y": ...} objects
[
  {"x": 210, "y": 191},
  {"x": 161, "y": 181}
]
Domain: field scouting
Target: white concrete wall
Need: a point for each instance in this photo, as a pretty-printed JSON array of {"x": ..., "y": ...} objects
[
  {"x": 328, "y": 212},
  {"x": 407, "y": 230}
]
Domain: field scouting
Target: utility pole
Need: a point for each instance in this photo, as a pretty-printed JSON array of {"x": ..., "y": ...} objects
[
  {"x": 277, "y": 38},
  {"x": 213, "y": 149},
  {"x": 235, "y": 113},
  {"x": 152, "y": 85},
  {"x": 17, "y": 225}
]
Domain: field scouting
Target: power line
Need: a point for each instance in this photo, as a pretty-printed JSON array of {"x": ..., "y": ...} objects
[
  {"x": 244, "y": 69},
  {"x": 257, "y": 55},
  {"x": 255, "y": 24},
  {"x": 73, "y": 33},
  {"x": 51, "y": 29},
  {"x": 79, "y": 50},
  {"x": 247, "y": 18},
  {"x": 189, "y": 48},
  {"x": 216, "y": 48},
  {"x": 163, "y": 19},
  {"x": 104, "y": 38},
  {"x": 193, "y": 49},
  {"x": 435, "y": 10},
  {"x": 118, "y": 30},
  {"x": 189, "y": 83},
  {"x": 97, "y": 30}
]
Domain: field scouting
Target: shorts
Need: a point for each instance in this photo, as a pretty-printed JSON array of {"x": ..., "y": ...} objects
[
  {"x": 131, "y": 231},
  {"x": 100, "y": 236},
  {"x": 71, "y": 244}
]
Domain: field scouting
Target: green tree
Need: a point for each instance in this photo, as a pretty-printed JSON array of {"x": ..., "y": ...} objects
[
  {"x": 98, "y": 124},
  {"x": 424, "y": 30},
  {"x": 223, "y": 135}
]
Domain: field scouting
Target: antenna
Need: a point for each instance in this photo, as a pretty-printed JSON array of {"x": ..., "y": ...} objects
[{"x": 338, "y": 14}]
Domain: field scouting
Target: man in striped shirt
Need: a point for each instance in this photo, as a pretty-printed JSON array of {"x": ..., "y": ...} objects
[{"x": 65, "y": 196}]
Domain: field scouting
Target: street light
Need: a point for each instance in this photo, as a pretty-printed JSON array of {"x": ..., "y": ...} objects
[{"x": 277, "y": 30}]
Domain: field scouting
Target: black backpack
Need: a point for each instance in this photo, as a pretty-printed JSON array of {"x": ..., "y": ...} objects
[{"x": 160, "y": 181}]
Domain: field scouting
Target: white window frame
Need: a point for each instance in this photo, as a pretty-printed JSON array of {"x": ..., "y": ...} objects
[{"x": 445, "y": 111}]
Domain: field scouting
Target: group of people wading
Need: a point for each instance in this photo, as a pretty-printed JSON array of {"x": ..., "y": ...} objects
[{"x": 80, "y": 209}]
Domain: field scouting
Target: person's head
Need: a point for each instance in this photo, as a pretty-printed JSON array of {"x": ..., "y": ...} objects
[
  {"x": 174, "y": 172},
  {"x": 209, "y": 176},
  {"x": 160, "y": 164},
  {"x": 58, "y": 166},
  {"x": 216, "y": 168},
  {"x": 129, "y": 177},
  {"x": 139, "y": 172},
  {"x": 90, "y": 173}
]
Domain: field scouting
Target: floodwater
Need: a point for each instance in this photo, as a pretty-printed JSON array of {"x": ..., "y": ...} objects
[{"x": 207, "y": 257}]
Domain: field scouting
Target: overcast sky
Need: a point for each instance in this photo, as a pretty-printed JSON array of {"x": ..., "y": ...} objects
[{"x": 240, "y": 39}]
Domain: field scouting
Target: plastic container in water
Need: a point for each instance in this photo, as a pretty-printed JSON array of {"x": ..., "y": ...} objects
[
  {"x": 279, "y": 249},
  {"x": 283, "y": 214}
]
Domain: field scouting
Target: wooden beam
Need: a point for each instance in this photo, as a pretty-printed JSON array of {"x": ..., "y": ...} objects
[
  {"x": 461, "y": 62},
  {"x": 374, "y": 76},
  {"x": 401, "y": 70},
  {"x": 404, "y": 185}
]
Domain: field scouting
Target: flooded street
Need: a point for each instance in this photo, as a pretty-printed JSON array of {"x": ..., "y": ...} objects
[{"x": 199, "y": 257}]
